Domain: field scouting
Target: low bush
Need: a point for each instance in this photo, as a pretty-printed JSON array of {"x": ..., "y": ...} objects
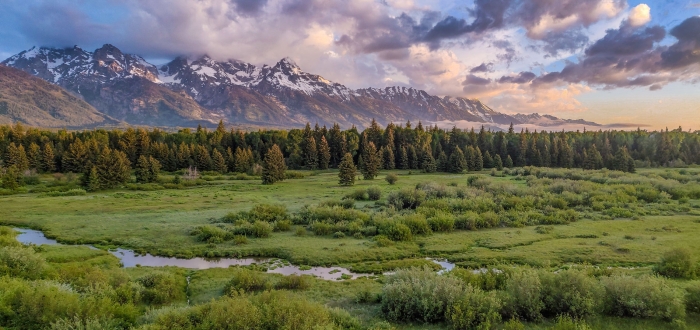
[
  {"x": 391, "y": 178},
  {"x": 18, "y": 261},
  {"x": 210, "y": 234},
  {"x": 262, "y": 229},
  {"x": 374, "y": 193},
  {"x": 474, "y": 309},
  {"x": 523, "y": 295},
  {"x": 283, "y": 225},
  {"x": 487, "y": 280},
  {"x": 692, "y": 297},
  {"x": 322, "y": 229},
  {"x": 570, "y": 292},
  {"x": 294, "y": 282},
  {"x": 416, "y": 222},
  {"x": 406, "y": 198},
  {"x": 419, "y": 295},
  {"x": 443, "y": 222},
  {"x": 643, "y": 297},
  {"x": 396, "y": 231},
  {"x": 677, "y": 263},
  {"x": 246, "y": 280},
  {"x": 162, "y": 288},
  {"x": 358, "y": 195}
]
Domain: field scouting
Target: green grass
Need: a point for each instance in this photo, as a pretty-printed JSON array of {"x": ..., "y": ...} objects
[{"x": 159, "y": 222}]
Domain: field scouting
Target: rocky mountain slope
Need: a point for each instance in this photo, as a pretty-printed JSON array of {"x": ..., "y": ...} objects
[
  {"x": 186, "y": 92},
  {"x": 35, "y": 102}
]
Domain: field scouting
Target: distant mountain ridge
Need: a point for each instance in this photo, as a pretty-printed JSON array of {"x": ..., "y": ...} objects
[
  {"x": 36, "y": 102},
  {"x": 185, "y": 92}
]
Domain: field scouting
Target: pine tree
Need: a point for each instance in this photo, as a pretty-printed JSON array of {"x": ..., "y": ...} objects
[
  {"x": 183, "y": 156},
  {"x": 120, "y": 168},
  {"x": 403, "y": 159},
  {"x": 478, "y": 160},
  {"x": 147, "y": 169},
  {"x": 509, "y": 162},
  {"x": 488, "y": 160},
  {"x": 34, "y": 156},
  {"x": 389, "y": 163},
  {"x": 230, "y": 160},
  {"x": 497, "y": 162},
  {"x": 443, "y": 164},
  {"x": 240, "y": 160},
  {"x": 170, "y": 163},
  {"x": 93, "y": 180},
  {"x": 218, "y": 162},
  {"x": 631, "y": 166},
  {"x": 76, "y": 157},
  {"x": 348, "y": 171},
  {"x": 17, "y": 157},
  {"x": 48, "y": 159},
  {"x": 11, "y": 178},
  {"x": 202, "y": 160},
  {"x": 337, "y": 144},
  {"x": 428, "y": 165},
  {"x": 273, "y": 166},
  {"x": 413, "y": 160},
  {"x": 623, "y": 161},
  {"x": 458, "y": 163},
  {"x": 566, "y": 155},
  {"x": 311, "y": 154},
  {"x": 113, "y": 168},
  {"x": 470, "y": 158},
  {"x": 372, "y": 162},
  {"x": 324, "y": 154}
]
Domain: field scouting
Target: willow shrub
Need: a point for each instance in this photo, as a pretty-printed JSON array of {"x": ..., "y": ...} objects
[
  {"x": 474, "y": 309},
  {"x": 692, "y": 297},
  {"x": 677, "y": 263},
  {"x": 17, "y": 261},
  {"x": 570, "y": 292},
  {"x": 419, "y": 294},
  {"x": 643, "y": 297},
  {"x": 246, "y": 280},
  {"x": 523, "y": 295}
]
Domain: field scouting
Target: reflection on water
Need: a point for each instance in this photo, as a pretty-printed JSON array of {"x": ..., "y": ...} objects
[
  {"x": 446, "y": 265},
  {"x": 29, "y": 236},
  {"x": 131, "y": 259}
]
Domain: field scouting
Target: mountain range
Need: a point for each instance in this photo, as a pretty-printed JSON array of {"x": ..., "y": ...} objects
[{"x": 120, "y": 87}]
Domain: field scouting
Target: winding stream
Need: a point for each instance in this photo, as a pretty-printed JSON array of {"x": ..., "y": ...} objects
[{"x": 130, "y": 259}]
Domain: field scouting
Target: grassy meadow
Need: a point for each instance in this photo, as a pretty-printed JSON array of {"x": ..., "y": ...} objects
[{"x": 603, "y": 224}]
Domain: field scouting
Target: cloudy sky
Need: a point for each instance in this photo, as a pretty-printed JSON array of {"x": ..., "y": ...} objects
[{"x": 610, "y": 61}]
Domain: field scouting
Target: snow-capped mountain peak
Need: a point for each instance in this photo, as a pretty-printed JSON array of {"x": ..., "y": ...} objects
[{"x": 281, "y": 94}]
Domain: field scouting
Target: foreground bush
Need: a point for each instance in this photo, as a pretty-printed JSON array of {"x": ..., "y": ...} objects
[
  {"x": 570, "y": 292},
  {"x": 294, "y": 282},
  {"x": 677, "y": 263},
  {"x": 419, "y": 295},
  {"x": 523, "y": 295},
  {"x": 475, "y": 309},
  {"x": 246, "y": 280},
  {"x": 22, "y": 262},
  {"x": 643, "y": 297},
  {"x": 692, "y": 297},
  {"x": 162, "y": 288},
  {"x": 406, "y": 198}
]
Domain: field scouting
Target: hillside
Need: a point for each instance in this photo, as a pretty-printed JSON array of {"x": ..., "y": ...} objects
[
  {"x": 191, "y": 91},
  {"x": 35, "y": 102}
]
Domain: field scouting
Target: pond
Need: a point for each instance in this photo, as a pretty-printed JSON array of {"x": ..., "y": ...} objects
[{"x": 129, "y": 258}]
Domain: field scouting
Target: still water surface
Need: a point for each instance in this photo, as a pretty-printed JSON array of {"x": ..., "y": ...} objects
[{"x": 130, "y": 259}]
